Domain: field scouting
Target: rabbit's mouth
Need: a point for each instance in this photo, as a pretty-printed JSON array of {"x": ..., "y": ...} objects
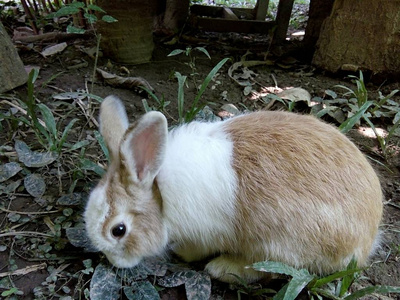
[{"x": 122, "y": 261}]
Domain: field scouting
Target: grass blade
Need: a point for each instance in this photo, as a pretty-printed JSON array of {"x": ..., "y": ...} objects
[
  {"x": 49, "y": 120},
  {"x": 102, "y": 144},
  {"x": 373, "y": 289},
  {"x": 208, "y": 79},
  {"x": 204, "y": 50},
  {"x": 350, "y": 122},
  {"x": 65, "y": 133},
  {"x": 275, "y": 267},
  {"x": 181, "y": 95},
  {"x": 325, "y": 280}
]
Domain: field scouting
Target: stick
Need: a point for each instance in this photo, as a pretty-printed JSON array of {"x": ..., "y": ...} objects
[{"x": 25, "y": 270}]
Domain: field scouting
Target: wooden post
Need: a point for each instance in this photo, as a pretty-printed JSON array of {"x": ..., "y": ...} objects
[
  {"x": 261, "y": 9},
  {"x": 12, "y": 71},
  {"x": 282, "y": 20}
]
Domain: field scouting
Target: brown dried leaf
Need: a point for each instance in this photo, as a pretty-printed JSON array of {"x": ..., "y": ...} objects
[{"x": 124, "y": 82}]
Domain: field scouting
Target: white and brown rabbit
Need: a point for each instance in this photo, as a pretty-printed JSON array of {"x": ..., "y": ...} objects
[{"x": 262, "y": 186}]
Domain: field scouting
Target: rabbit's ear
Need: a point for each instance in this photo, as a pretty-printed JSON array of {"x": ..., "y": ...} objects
[
  {"x": 113, "y": 123},
  {"x": 143, "y": 148}
]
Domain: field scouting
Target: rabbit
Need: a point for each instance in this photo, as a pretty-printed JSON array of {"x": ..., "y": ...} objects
[{"x": 266, "y": 185}]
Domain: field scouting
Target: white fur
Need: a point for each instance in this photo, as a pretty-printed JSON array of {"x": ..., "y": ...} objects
[
  {"x": 96, "y": 212},
  {"x": 198, "y": 184}
]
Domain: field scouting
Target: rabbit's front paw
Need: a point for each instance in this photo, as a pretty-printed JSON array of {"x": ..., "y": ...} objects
[{"x": 225, "y": 265}]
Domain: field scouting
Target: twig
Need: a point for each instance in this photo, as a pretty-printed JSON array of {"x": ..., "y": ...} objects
[
  {"x": 26, "y": 233},
  {"x": 30, "y": 213},
  {"x": 59, "y": 36},
  {"x": 21, "y": 110},
  {"x": 25, "y": 270}
]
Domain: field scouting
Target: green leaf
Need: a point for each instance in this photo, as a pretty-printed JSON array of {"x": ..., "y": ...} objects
[
  {"x": 181, "y": 95},
  {"x": 109, "y": 19},
  {"x": 77, "y": 4},
  {"x": 349, "y": 123},
  {"x": 281, "y": 293},
  {"x": 141, "y": 290},
  {"x": 35, "y": 185},
  {"x": 77, "y": 237},
  {"x": 32, "y": 158},
  {"x": 67, "y": 10},
  {"x": 49, "y": 120},
  {"x": 146, "y": 106},
  {"x": 373, "y": 289},
  {"x": 8, "y": 170},
  {"x": 176, "y": 52},
  {"x": 104, "y": 284},
  {"x": 91, "y": 166},
  {"x": 202, "y": 49},
  {"x": 79, "y": 145},
  {"x": 95, "y": 8},
  {"x": 91, "y": 18},
  {"x": 68, "y": 212},
  {"x": 102, "y": 144},
  {"x": 325, "y": 280},
  {"x": 65, "y": 133},
  {"x": 73, "y": 199},
  {"x": 331, "y": 93},
  {"x": 195, "y": 109},
  {"x": 175, "y": 279},
  {"x": 10, "y": 292},
  {"x": 275, "y": 267},
  {"x": 33, "y": 75},
  {"x": 348, "y": 279},
  {"x": 198, "y": 286},
  {"x": 297, "y": 284},
  {"x": 73, "y": 29}
]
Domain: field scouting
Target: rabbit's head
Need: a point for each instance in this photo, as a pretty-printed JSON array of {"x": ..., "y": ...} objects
[{"x": 124, "y": 213}]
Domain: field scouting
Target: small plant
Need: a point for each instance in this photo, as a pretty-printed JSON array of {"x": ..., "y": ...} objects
[
  {"x": 192, "y": 60},
  {"x": 45, "y": 130},
  {"x": 335, "y": 286},
  {"x": 76, "y": 8},
  {"x": 363, "y": 108},
  {"x": 185, "y": 116}
]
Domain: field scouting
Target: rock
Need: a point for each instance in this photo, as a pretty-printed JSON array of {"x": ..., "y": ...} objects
[{"x": 12, "y": 71}]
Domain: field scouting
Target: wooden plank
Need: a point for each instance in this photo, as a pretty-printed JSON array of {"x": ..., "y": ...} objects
[
  {"x": 217, "y": 11},
  {"x": 229, "y": 14},
  {"x": 261, "y": 9},
  {"x": 223, "y": 25}
]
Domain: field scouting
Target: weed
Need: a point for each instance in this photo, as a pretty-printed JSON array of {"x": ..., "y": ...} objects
[
  {"x": 190, "y": 114},
  {"x": 192, "y": 60},
  {"x": 45, "y": 130},
  {"x": 334, "y": 286},
  {"x": 89, "y": 11},
  {"x": 363, "y": 108}
]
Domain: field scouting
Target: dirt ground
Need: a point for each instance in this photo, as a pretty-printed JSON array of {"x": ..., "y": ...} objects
[{"x": 19, "y": 253}]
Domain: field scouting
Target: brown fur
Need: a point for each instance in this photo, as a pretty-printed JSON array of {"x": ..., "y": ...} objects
[{"x": 290, "y": 167}]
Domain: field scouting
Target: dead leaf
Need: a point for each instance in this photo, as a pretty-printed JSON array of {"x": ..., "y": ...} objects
[
  {"x": 54, "y": 49},
  {"x": 246, "y": 73},
  {"x": 124, "y": 82},
  {"x": 296, "y": 94}
]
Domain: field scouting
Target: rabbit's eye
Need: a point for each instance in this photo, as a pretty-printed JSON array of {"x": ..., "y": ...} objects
[{"x": 119, "y": 230}]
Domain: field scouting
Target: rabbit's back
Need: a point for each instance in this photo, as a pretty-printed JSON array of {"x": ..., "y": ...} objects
[{"x": 306, "y": 195}]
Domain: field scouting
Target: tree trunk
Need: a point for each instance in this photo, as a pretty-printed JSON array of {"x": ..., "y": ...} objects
[
  {"x": 130, "y": 40},
  {"x": 362, "y": 35},
  {"x": 12, "y": 71}
]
